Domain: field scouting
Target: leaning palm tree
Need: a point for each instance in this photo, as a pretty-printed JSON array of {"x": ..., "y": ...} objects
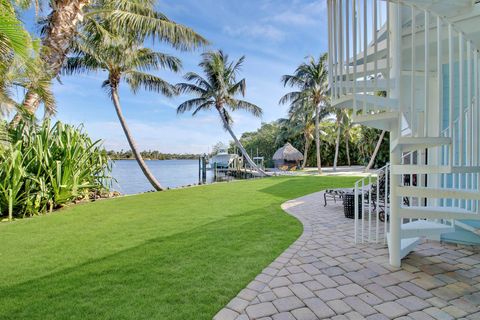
[
  {"x": 311, "y": 81},
  {"x": 70, "y": 18},
  {"x": 125, "y": 61},
  {"x": 218, "y": 90},
  {"x": 375, "y": 152},
  {"x": 346, "y": 127}
]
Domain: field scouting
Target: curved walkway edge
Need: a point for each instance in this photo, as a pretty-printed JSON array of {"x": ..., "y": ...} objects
[{"x": 323, "y": 274}]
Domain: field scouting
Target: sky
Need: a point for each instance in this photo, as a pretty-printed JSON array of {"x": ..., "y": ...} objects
[{"x": 274, "y": 35}]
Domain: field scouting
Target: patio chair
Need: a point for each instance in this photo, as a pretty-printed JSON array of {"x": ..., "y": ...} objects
[{"x": 333, "y": 194}]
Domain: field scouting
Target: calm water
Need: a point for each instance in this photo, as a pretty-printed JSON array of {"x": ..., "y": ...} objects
[{"x": 170, "y": 173}]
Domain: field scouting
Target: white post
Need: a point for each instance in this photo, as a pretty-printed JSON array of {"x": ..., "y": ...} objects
[
  {"x": 427, "y": 72},
  {"x": 347, "y": 45},
  {"x": 355, "y": 52},
  {"x": 450, "y": 86},
  {"x": 340, "y": 44},
  {"x": 356, "y": 213},
  {"x": 365, "y": 64},
  {"x": 395, "y": 155},
  {"x": 330, "y": 62},
  {"x": 413, "y": 75}
]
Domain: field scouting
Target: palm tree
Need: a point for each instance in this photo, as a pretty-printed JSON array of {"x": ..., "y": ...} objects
[
  {"x": 339, "y": 120},
  {"x": 70, "y": 18},
  {"x": 14, "y": 39},
  {"x": 346, "y": 125},
  {"x": 20, "y": 66},
  {"x": 218, "y": 90},
  {"x": 311, "y": 80},
  {"x": 130, "y": 62},
  {"x": 375, "y": 152},
  {"x": 302, "y": 119}
]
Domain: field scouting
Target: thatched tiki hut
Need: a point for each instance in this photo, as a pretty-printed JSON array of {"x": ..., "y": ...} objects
[{"x": 287, "y": 157}]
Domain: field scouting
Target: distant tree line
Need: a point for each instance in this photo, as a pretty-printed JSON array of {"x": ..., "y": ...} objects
[
  {"x": 150, "y": 155},
  {"x": 361, "y": 143}
]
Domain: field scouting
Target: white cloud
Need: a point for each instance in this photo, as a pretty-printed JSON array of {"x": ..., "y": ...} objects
[
  {"x": 294, "y": 18},
  {"x": 185, "y": 135},
  {"x": 301, "y": 14},
  {"x": 257, "y": 31}
]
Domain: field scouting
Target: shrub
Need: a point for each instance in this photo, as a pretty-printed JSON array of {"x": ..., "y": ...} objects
[{"x": 44, "y": 167}]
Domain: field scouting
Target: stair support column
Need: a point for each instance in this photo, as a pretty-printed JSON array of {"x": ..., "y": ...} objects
[{"x": 395, "y": 154}]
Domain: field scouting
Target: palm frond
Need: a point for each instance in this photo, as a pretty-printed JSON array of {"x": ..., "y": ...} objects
[
  {"x": 147, "y": 59},
  {"x": 246, "y": 106},
  {"x": 190, "y": 88},
  {"x": 203, "y": 107},
  {"x": 149, "y": 82},
  {"x": 190, "y": 104}
]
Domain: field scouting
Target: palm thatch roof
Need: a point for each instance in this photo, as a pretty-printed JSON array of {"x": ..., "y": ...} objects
[{"x": 288, "y": 153}]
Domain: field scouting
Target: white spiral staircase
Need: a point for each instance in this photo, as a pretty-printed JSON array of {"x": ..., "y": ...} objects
[{"x": 411, "y": 68}]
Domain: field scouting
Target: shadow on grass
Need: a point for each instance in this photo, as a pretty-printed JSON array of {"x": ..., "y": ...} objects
[
  {"x": 190, "y": 275},
  {"x": 295, "y": 187}
]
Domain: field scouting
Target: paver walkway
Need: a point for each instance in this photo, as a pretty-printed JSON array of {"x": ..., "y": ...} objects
[{"x": 325, "y": 275}]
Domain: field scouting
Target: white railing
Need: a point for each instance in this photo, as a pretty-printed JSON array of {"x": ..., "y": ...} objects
[
  {"x": 358, "y": 47},
  {"x": 371, "y": 201}
]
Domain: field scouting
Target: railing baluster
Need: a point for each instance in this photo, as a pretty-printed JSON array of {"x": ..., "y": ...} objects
[
  {"x": 443, "y": 149},
  {"x": 377, "y": 208},
  {"x": 335, "y": 58},
  {"x": 330, "y": 61},
  {"x": 363, "y": 210},
  {"x": 412, "y": 83},
  {"x": 477, "y": 120},
  {"x": 365, "y": 64},
  {"x": 347, "y": 44},
  {"x": 470, "y": 123},
  {"x": 355, "y": 51},
  {"x": 462, "y": 106},
  {"x": 427, "y": 72},
  {"x": 355, "y": 226},
  {"x": 375, "y": 43},
  {"x": 370, "y": 208},
  {"x": 387, "y": 23},
  {"x": 387, "y": 205},
  {"x": 340, "y": 44},
  {"x": 450, "y": 85}
]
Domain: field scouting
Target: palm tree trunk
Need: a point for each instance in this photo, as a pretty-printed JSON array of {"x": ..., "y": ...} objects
[
  {"x": 62, "y": 22},
  {"x": 337, "y": 144},
  {"x": 374, "y": 155},
  {"x": 317, "y": 137},
  {"x": 348, "y": 150},
  {"x": 146, "y": 171},
  {"x": 239, "y": 144},
  {"x": 305, "y": 152}
]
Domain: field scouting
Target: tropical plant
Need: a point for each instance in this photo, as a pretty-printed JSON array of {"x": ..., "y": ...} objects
[
  {"x": 105, "y": 19},
  {"x": 19, "y": 62},
  {"x": 301, "y": 118},
  {"x": 44, "y": 167},
  {"x": 262, "y": 142},
  {"x": 343, "y": 124},
  {"x": 14, "y": 39},
  {"x": 218, "y": 90},
  {"x": 375, "y": 151},
  {"x": 311, "y": 81},
  {"x": 346, "y": 127}
]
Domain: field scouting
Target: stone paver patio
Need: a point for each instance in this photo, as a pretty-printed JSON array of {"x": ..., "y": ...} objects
[{"x": 325, "y": 275}]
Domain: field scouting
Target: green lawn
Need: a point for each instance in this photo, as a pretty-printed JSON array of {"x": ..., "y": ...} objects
[{"x": 180, "y": 254}]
